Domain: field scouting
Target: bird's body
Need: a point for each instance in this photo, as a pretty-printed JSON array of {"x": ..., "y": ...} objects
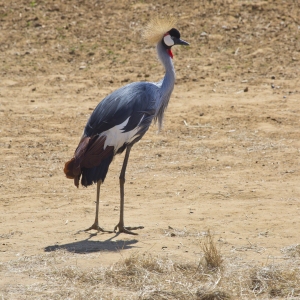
[{"x": 120, "y": 120}]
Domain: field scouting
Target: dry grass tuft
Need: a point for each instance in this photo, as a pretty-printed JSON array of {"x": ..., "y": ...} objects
[
  {"x": 292, "y": 251},
  {"x": 163, "y": 295},
  {"x": 147, "y": 262},
  {"x": 212, "y": 295},
  {"x": 275, "y": 281},
  {"x": 212, "y": 256},
  {"x": 138, "y": 269}
]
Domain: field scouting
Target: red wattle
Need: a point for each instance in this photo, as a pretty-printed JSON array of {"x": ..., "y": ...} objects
[{"x": 170, "y": 53}]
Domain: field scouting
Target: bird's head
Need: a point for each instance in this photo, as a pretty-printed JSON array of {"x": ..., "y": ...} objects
[
  {"x": 161, "y": 30},
  {"x": 171, "y": 38}
]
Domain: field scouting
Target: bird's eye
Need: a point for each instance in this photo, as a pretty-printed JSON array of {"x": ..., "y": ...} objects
[{"x": 168, "y": 40}]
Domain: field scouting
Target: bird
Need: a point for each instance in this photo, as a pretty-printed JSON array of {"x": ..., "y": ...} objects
[{"x": 122, "y": 118}]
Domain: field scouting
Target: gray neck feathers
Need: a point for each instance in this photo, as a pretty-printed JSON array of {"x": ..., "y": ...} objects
[{"x": 167, "y": 84}]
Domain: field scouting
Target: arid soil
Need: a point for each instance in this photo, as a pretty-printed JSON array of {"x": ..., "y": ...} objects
[{"x": 227, "y": 159}]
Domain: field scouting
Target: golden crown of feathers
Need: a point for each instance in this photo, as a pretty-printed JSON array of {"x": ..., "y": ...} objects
[{"x": 157, "y": 28}]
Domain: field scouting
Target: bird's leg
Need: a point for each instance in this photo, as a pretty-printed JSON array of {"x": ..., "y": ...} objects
[
  {"x": 96, "y": 224},
  {"x": 120, "y": 225}
]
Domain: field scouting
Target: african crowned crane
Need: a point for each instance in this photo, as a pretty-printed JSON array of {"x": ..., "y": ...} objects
[{"x": 122, "y": 118}]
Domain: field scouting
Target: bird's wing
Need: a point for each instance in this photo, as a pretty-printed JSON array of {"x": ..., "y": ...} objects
[{"x": 130, "y": 102}]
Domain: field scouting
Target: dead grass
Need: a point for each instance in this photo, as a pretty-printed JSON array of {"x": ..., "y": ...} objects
[
  {"x": 212, "y": 256},
  {"x": 214, "y": 295},
  {"x": 147, "y": 276},
  {"x": 154, "y": 277},
  {"x": 274, "y": 281},
  {"x": 292, "y": 251}
]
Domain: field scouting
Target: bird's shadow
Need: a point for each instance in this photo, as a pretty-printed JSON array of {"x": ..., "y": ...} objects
[{"x": 87, "y": 246}]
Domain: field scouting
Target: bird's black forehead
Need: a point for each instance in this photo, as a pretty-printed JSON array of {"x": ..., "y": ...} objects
[{"x": 174, "y": 32}]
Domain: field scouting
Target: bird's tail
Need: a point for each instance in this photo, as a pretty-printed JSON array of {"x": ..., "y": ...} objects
[
  {"x": 89, "y": 154},
  {"x": 72, "y": 167},
  {"x": 68, "y": 169}
]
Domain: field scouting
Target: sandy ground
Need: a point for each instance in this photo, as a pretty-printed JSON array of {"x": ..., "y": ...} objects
[{"x": 226, "y": 160}]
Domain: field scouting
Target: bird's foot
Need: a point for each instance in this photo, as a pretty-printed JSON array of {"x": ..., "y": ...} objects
[
  {"x": 127, "y": 230},
  {"x": 95, "y": 226}
]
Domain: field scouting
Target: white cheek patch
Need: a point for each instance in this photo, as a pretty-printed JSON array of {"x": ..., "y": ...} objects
[{"x": 168, "y": 40}]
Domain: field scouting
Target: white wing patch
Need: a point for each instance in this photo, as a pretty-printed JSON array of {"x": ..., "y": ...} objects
[{"x": 116, "y": 136}]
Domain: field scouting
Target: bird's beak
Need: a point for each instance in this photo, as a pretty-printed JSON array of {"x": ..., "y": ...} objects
[{"x": 180, "y": 42}]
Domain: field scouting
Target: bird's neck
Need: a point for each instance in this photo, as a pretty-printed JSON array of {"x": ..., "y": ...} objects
[
  {"x": 166, "y": 85},
  {"x": 169, "y": 79}
]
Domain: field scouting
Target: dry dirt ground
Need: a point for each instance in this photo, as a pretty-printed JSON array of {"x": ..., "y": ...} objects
[{"x": 227, "y": 159}]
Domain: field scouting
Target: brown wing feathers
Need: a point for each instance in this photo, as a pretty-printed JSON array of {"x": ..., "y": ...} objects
[{"x": 89, "y": 153}]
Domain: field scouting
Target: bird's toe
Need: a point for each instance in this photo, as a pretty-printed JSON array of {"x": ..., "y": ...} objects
[
  {"x": 95, "y": 226},
  {"x": 127, "y": 230}
]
